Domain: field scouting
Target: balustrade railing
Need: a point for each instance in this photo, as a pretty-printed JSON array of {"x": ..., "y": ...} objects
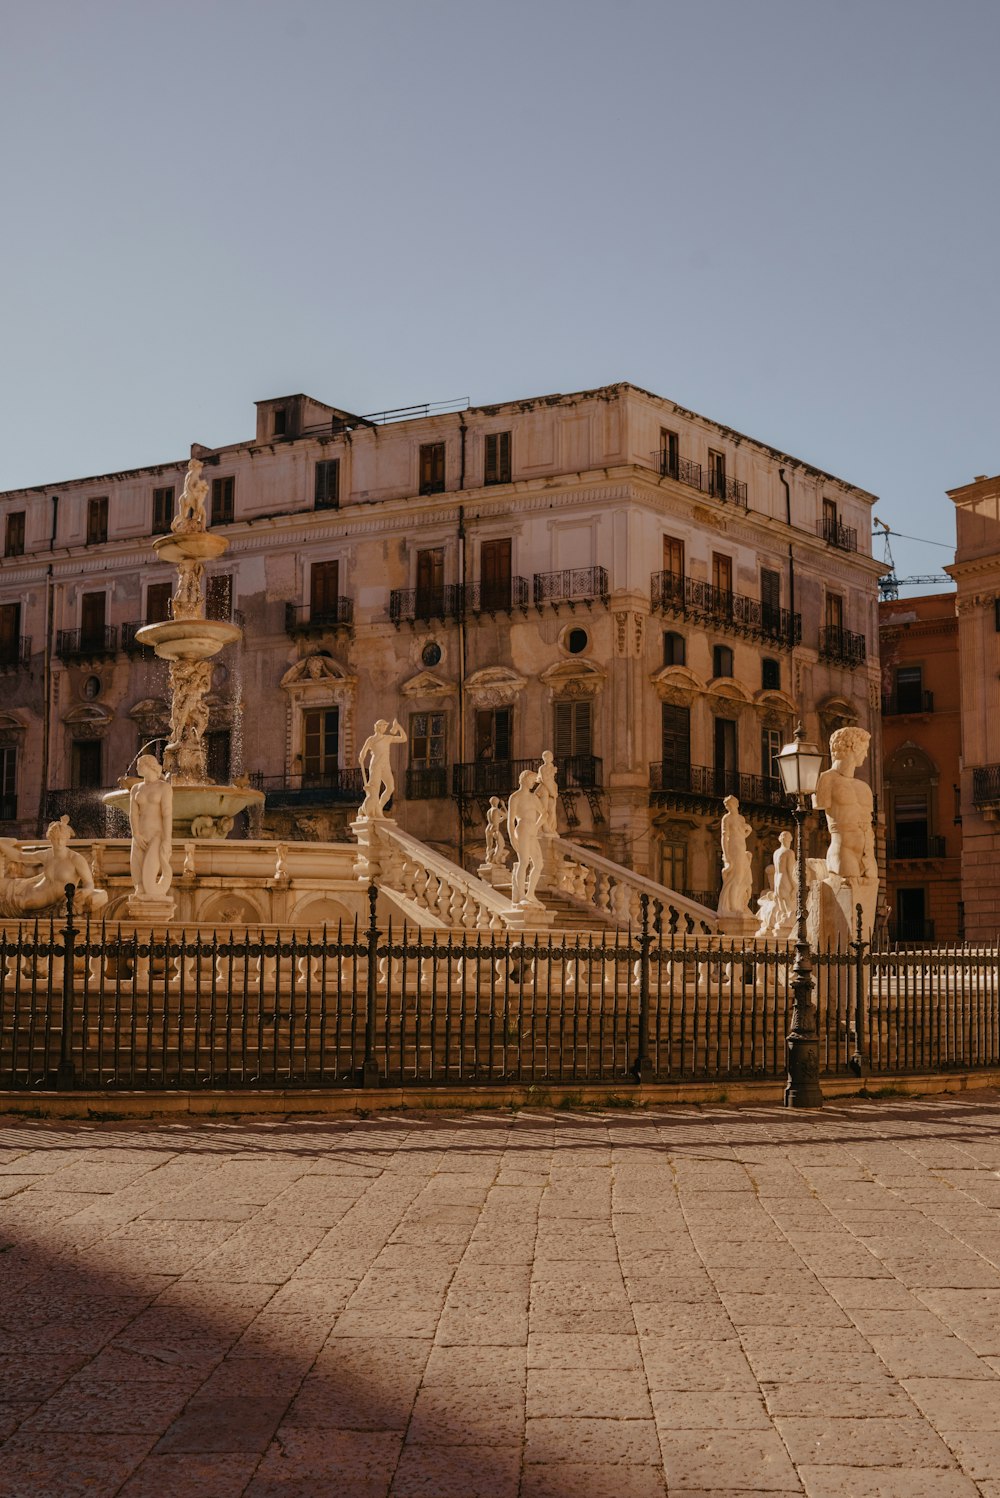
[
  {"x": 672, "y": 593},
  {"x": 617, "y": 893},
  {"x": 572, "y": 585}
]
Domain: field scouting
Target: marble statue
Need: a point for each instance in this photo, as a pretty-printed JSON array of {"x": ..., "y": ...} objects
[
  {"x": 737, "y": 867},
  {"x": 777, "y": 906},
  {"x": 496, "y": 848},
  {"x": 184, "y": 756},
  {"x": 191, "y": 501},
  {"x": 187, "y": 602},
  {"x": 548, "y": 791},
  {"x": 524, "y": 826},
  {"x": 150, "y": 816},
  {"x": 851, "y": 867},
  {"x": 377, "y": 774},
  {"x": 57, "y": 865}
]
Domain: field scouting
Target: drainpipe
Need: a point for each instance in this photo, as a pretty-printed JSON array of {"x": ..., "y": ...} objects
[
  {"x": 461, "y": 661},
  {"x": 791, "y": 557},
  {"x": 464, "y": 431},
  {"x": 46, "y": 690}
]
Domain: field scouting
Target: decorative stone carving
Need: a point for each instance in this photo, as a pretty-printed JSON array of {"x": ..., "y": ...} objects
[
  {"x": 577, "y": 678},
  {"x": 191, "y": 502},
  {"x": 57, "y": 865},
  {"x": 150, "y": 815},
  {"x": 207, "y": 828},
  {"x": 737, "y": 867},
  {"x": 184, "y": 756},
  {"x": 187, "y": 599},
  {"x": 494, "y": 686},
  {"x": 427, "y": 684},
  {"x": 377, "y": 774},
  {"x": 524, "y": 826}
]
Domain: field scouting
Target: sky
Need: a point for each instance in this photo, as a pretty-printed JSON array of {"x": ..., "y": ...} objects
[{"x": 780, "y": 213}]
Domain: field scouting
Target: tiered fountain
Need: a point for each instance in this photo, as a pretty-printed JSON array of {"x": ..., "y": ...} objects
[{"x": 188, "y": 640}]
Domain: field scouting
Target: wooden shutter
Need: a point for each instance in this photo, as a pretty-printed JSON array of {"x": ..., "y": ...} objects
[
  {"x": 673, "y": 556},
  {"x": 92, "y": 617},
  {"x": 157, "y": 602},
  {"x": 572, "y": 729},
  {"x": 834, "y": 611},
  {"x": 676, "y": 743},
  {"x": 722, "y": 572},
  {"x": 10, "y": 629},
  {"x": 495, "y": 561},
  {"x": 430, "y": 580},
  {"x": 324, "y": 580}
]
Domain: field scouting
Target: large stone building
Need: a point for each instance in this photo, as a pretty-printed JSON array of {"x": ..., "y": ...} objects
[
  {"x": 976, "y": 571},
  {"x": 653, "y": 595}
]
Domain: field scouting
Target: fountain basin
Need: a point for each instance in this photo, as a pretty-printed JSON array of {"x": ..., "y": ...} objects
[
  {"x": 188, "y": 639},
  {"x": 200, "y": 811},
  {"x": 189, "y": 546}
]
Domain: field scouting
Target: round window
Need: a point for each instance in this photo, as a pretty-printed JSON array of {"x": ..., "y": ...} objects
[
  {"x": 92, "y": 688},
  {"x": 577, "y": 640},
  {"x": 431, "y": 653}
]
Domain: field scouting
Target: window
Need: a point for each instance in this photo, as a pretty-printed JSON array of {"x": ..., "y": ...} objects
[
  {"x": 770, "y": 674},
  {"x": 163, "y": 510},
  {"x": 909, "y": 689},
  {"x": 830, "y": 520},
  {"x": 8, "y": 783},
  {"x": 911, "y": 915},
  {"x": 834, "y": 612},
  {"x": 770, "y": 600},
  {"x": 432, "y": 468},
  {"x": 722, "y": 585},
  {"x": 577, "y": 640},
  {"x": 431, "y": 653},
  {"x": 97, "y": 520},
  {"x": 726, "y": 757},
  {"x": 911, "y": 824},
  {"x": 280, "y": 427},
  {"x": 722, "y": 660},
  {"x": 320, "y": 740},
  {"x": 669, "y": 453},
  {"x": 92, "y": 623},
  {"x": 770, "y": 748},
  {"x": 10, "y": 634},
  {"x": 327, "y": 491},
  {"x": 495, "y": 564},
  {"x": 14, "y": 538},
  {"x": 324, "y": 585},
  {"x": 716, "y": 473},
  {"x": 494, "y": 732},
  {"x": 157, "y": 602},
  {"x": 427, "y": 740},
  {"x": 673, "y": 865},
  {"x": 675, "y": 752},
  {"x": 430, "y": 583},
  {"x": 218, "y": 756},
  {"x": 674, "y": 648},
  {"x": 496, "y": 469},
  {"x": 673, "y": 557},
  {"x": 86, "y": 771},
  {"x": 223, "y": 500},
  {"x": 572, "y": 729},
  {"x": 219, "y": 596}
]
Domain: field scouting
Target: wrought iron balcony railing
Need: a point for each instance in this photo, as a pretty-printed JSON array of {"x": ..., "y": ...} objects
[
  {"x": 324, "y": 788},
  {"x": 916, "y": 845},
  {"x": 89, "y": 644},
  {"x": 899, "y": 703},
  {"x": 8, "y": 807},
  {"x": 840, "y": 645},
  {"x": 413, "y": 605},
  {"x": 683, "y": 784},
  {"x": 498, "y": 777},
  {"x": 986, "y": 785},
  {"x": 672, "y": 593},
  {"x": 835, "y": 533},
  {"x": 309, "y": 619},
  {"x": 429, "y": 783},
  {"x": 15, "y": 653},
  {"x": 131, "y": 645},
  {"x": 571, "y": 586},
  {"x": 500, "y": 597},
  {"x": 698, "y": 477}
]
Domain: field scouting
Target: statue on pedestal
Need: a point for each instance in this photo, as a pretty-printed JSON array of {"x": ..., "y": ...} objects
[
  {"x": 57, "y": 865},
  {"x": 496, "y": 848},
  {"x": 548, "y": 791},
  {"x": 150, "y": 816},
  {"x": 852, "y": 871},
  {"x": 778, "y": 904},
  {"x": 377, "y": 775},
  {"x": 737, "y": 867},
  {"x": 524, "y": 826},
  {"x": 191, "y": 501}
]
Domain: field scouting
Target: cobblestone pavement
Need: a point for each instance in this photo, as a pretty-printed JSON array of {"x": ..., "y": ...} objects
[{"x": 530, "y": 1305}]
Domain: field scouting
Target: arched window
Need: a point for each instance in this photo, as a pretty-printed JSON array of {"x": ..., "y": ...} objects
[{"x": 674, "y": 648}]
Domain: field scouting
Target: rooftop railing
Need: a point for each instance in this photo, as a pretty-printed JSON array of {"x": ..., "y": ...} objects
[
  {"x": 835, "y": 533},
  {"x": 728, "y": 490}
]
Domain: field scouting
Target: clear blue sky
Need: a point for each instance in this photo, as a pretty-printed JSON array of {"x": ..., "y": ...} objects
[{"x": 782, "y": 213}]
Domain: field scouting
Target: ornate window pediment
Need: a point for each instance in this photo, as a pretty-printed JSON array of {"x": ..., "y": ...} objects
[
  {"x": 776, "y": 702},
  {"x": 13, "y": 722},
  {"x": 494, "y": 686},
  {"x": 427, "y": 684},
  {"x": 88, "y": 721},
  {"x": 677, "y": 684},
  {"x": 319, "y": 677},
  {"x": 576, "y": 678},
  {"x": 730, "y": 689}
]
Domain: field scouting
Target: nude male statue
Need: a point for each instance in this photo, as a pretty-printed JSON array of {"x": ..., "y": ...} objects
[
  {"x": 496, "y": 850},
  {"x": 848, "y": 804},
  {"x": 150, "y": 816},
  {"x": 548, "y": 790},
  {"x": 377, "y": 776},
  {"x": 524, "y": 824}
]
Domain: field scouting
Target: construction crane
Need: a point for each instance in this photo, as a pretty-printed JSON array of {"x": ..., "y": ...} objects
[{"x": 889, "y": 584}]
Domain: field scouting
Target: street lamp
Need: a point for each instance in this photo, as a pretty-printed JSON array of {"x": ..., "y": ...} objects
[{"x": 799, "y": 765}]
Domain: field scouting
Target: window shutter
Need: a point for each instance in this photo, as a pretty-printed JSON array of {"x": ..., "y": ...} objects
[{"x": 563, "y": 729}]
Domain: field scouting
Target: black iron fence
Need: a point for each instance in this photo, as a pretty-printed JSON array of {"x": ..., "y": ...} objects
[{"x": 86, "y": 1006}]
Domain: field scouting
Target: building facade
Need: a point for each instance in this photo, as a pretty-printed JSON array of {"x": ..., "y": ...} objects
[
  {"x": 654, "y": 596},
  {"x": 922, "y": 750},
  {"x": 976, "y": 571}
]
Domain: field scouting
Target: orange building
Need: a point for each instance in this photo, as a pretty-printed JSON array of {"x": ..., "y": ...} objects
[{"x": 922, "y": 748}]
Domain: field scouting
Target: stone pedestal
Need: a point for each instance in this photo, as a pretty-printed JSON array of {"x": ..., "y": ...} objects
[
  {"x": 738, "y": 925},
  {"x": 367, "y": 834},
  {"x": 151, "y": 911},
  {"x": 832, "y": 910},
  {"x": 495, "y": 874},
  {"x": 529, "y": 918}
]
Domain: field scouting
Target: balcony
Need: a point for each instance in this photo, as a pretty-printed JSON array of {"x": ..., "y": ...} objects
[
  {"x": 841, "y": 646},
  {"x": 571, "y": 586},
  {"x": 87, "y": 645},
  {"x": 670, "y": 593},
  {"x": 702, "y": 788},
  {"x": 131, "y": 645},
  {"x": 916, "y": 845},
  {"x": 302, "y": 620},
  {"x": 986, "y": 787},
  {"x": 498, "y": 777},
  {"x": 421, "y": 605},
  {"x": 331, "y": 788},
  {"x": 835, "y": 533},
  {"x": 15, "y": 653},
  {"x": 911, "y": 933},
  {"x": 427, "y": 784},
  {"x": 500, "y": 597},
  {"x": 696, "y": 477},
  {"x": 8, "y": 808},
  {"x": 899, "y": 704}
]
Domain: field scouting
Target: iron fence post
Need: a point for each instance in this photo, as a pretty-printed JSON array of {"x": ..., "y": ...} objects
[
  {"x": 642, "y": 1069},
  {"x": 66, "y": 1072},
  {"x": 858, "y": 1063},
  {"x": 369, "y": 1069}
]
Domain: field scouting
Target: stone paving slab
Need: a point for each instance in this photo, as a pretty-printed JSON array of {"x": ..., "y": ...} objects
[{"x": 669, "y": 1303}]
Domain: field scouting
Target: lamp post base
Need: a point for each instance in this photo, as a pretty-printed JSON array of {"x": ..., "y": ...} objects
[{"x": 802, "y": 1059}]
